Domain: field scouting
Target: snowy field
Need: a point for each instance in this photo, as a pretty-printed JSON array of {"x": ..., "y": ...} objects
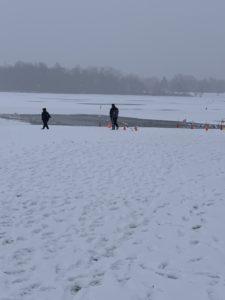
[
  {"x": 208, "y": 108},
  {"x": 95, "y": 214}
]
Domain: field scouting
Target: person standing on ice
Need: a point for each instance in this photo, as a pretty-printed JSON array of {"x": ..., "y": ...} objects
[
  {"x": 45, "y": 116},
  {"x": 114, "y": 113}
]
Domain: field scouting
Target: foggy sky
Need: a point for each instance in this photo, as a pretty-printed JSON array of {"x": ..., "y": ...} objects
[{"x": 144, "y": 37}]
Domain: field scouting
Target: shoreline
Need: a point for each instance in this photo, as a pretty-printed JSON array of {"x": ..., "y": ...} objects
[{"x": 94, "y": 120}]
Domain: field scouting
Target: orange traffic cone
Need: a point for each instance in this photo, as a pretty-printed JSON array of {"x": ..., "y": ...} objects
[{"x": 108, "y": 124}]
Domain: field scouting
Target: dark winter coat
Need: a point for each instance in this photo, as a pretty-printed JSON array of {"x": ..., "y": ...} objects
[
  {"x": 114, "y": 112},
  {"x": 45, "y": 116}
]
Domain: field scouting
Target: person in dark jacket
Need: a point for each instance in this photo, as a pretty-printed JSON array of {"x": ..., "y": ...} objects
[
  {"x": 45, "y": 116},
  {"x": 114, "y": 113}
]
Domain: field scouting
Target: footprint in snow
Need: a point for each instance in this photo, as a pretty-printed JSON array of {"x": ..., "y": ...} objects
[
  {"x": 168, "y": 275},
  {"x": 196, "y": 227},
  {"x": 163, "y": 265},
  {"x": 194, "y": 242},
  {"x": 196, "y": 259}
]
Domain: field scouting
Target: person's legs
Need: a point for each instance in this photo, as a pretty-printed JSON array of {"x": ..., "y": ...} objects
[
  {"x": 113, "y": 123},
  {"x": 45, "y": 125},
  {"x": 117, "y": 126}
]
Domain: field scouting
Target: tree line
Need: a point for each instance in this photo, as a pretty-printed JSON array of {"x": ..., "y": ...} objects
[{"x": 28, "y": 77}]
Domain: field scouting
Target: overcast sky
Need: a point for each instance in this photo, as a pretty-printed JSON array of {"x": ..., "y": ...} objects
[{"x": 144, "y": 37}]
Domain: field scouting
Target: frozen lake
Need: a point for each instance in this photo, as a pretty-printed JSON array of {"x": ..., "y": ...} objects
[{"x": 208, "y": 108}]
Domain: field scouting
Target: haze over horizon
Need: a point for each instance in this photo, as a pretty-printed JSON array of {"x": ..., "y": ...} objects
[{"x": 145, "y": 37}]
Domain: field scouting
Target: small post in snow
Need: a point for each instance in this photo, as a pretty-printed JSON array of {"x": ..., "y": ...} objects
[
  {"x": 100, "y": 117},
  {"x": 124, "y": 126},
  {"x": 206, "y": 126}
]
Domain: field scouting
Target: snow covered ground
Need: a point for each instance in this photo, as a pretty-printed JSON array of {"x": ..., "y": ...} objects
[
  {"x": 208, "y": 108},
  {"x": 95, "y": 214}
]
